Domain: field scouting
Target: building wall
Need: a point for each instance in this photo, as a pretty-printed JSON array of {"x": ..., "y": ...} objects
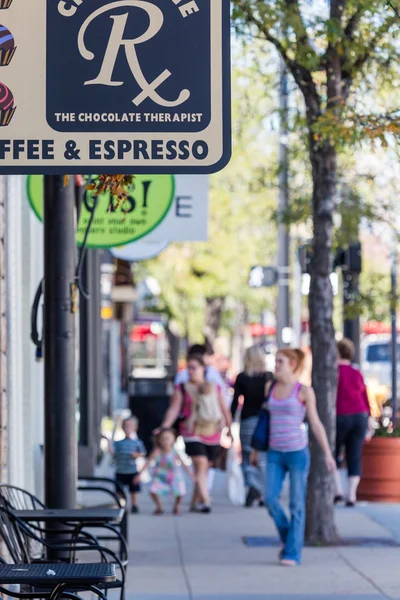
[
  {"x": 24, "y": 267},
  {"x": 3, "y": 341}
]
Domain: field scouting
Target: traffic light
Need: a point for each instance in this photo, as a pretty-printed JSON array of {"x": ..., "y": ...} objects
[
  {"x": 305, "y": 257},
  {"x": 353, "y": 259},
  {"x": 349, "y": 260}
]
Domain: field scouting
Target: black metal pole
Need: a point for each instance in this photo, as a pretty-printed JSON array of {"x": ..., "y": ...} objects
[
  {"x": 393, "y": 310},
  {"x": 60, "y": 448}
]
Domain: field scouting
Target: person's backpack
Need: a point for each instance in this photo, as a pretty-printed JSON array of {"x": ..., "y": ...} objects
[
  {"x": 208, "y": 409},
  {"x": 207, "y": 414}
]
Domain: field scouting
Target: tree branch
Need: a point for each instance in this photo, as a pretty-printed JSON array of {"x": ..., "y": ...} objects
[
  {"x": 301, "y": 74},
  {"x": 352, "y": 23},
  {"x": 337, "y": 10},
  {"x": 300, "y": 31},
  {"x": 263, "y": 28},
  {"x": 349, "y": 74}
]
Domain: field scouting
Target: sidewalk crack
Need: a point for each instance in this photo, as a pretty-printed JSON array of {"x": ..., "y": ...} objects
[
  {"x": 182, "y": 560},
  {"x": 355, "y": 569}
]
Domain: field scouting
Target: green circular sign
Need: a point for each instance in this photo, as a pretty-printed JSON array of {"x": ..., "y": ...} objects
[{"x": 117, "y": 223}]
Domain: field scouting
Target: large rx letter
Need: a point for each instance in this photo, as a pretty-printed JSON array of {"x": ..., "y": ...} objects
[{"x": 117, "y": 40}]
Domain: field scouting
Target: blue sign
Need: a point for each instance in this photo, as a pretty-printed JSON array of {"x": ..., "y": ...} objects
[{"x": 139, "y": 86}]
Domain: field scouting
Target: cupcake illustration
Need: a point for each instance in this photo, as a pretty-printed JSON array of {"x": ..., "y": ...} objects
[
  {"x": 5, "y": 3},
  {"x": 7, "y": 46},
  {"x": 7, "y": 108}
]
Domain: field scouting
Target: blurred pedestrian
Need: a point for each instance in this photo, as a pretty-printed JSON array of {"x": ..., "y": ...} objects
[
  {"x": 126, "y": 452},
  {"x": 289, "y": 403},
  {"x": 206, "y": 351},
  {"x": 167, "y": 472},
  {"x": 203, "y": 415},
  {"x": 250, "y": 385},
  {"x": 352, "y": 416}
]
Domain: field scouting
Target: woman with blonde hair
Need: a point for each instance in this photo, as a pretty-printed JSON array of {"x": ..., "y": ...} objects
[
  {"x": 250, "y": 385},
  {"x": 289, "y": 404}
]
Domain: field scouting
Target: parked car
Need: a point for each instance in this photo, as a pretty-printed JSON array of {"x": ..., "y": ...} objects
[{"x": 376, "y": 363}]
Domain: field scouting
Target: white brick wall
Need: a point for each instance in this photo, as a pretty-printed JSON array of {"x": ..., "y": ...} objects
[{"x": 3, "y": 342}]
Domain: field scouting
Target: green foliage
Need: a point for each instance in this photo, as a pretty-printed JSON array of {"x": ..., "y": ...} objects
[
  {"x": 333, "y": 50},
  {"x": 243, "y": 197}
]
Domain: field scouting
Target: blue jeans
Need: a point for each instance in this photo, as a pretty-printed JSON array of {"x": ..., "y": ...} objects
[
  {"x": 253, "y": 476},
  {"x": 291, "y": 531}
]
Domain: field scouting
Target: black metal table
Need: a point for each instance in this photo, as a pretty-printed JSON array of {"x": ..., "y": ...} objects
[
  {"x": 73, "y": 516},
  {"x": 50, "y": 575}
]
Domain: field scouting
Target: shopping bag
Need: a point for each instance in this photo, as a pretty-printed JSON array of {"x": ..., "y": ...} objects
[{"x": 236, "y": 488}]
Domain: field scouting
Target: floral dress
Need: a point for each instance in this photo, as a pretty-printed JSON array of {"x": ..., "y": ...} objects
[{"x": 168, "y": 476}]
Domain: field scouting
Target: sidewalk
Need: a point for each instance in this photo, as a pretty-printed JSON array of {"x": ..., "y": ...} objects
[{"x": 203, "y": 557}]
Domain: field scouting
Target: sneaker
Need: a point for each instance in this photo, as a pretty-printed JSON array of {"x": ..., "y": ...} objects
[
  {"x": 285, "y": 562},
  {"x": 205, "y": 509},
  {"x": 252, "y": 496},
  {"x": 134, "y": 510}
]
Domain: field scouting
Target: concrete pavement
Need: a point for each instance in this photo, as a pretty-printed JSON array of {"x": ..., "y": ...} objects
[{"x": 204, "y": 557}]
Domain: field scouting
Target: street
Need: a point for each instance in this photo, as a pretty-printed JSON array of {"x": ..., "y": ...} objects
[{"x": 200, "y": 557}]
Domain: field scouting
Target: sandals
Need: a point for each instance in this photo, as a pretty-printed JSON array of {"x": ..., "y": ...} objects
[{"x": 158, "y": 512}]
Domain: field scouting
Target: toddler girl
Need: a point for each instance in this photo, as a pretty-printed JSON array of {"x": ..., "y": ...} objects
[{"x": 167, "y": 474}]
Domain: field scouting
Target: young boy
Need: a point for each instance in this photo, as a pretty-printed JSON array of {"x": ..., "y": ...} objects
[{"x": 126, "y": 452}]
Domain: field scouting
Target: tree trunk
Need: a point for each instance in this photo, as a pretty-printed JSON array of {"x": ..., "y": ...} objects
[
  {"x": 320, "y": 528},
  {"x": 213, "y": 318}
]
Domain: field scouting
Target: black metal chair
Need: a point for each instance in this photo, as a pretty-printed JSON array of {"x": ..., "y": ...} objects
[
  {"x": 113, "y": 489},
  {"x": 18, "y": 537},
  {"x": 58, "y": 591},
  {"x": 17, "y": 498}
]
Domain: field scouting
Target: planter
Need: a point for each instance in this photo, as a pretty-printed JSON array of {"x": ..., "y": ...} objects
[{"x": 381, "y": 470}]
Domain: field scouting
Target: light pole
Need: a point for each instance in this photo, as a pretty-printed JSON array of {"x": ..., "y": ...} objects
[
  {"x": 60, "y": 448},
  {"x": 393, "y": 313},
  {"x": 283, "y": 309}
]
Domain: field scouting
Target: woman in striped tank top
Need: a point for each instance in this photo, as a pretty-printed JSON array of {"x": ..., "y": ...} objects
[{"x": 290, "y": 403}]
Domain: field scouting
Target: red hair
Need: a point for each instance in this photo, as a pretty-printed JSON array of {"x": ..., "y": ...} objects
[{"x": 295, "y": 356}]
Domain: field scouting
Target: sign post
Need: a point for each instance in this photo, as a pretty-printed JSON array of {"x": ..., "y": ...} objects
[{"x": 60, "y": 449}]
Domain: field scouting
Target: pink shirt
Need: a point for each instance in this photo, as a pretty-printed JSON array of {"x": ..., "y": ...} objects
[
  {"x": 352, "y": 396},
  {"x": 288, "y": 432}
]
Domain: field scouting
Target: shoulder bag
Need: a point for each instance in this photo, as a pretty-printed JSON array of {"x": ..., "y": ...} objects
[{"x": 260, "y": 440}]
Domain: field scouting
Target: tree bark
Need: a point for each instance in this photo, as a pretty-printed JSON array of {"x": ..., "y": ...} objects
[
  {"x": 213, "y": 317},
  {"x": 320, "y": 526}
]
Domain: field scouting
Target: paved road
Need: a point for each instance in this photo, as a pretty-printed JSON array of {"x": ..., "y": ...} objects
[{"x": 203, "y": 557}]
